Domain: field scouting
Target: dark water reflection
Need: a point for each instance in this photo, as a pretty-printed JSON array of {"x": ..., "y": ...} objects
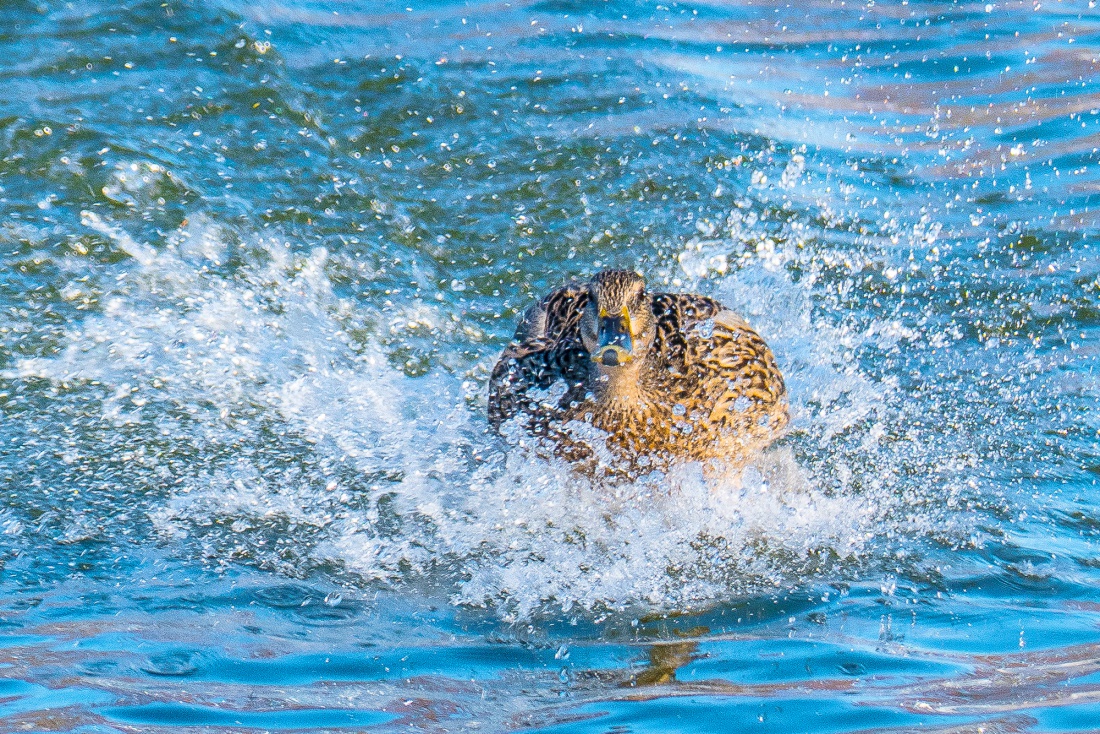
[{"x": 663, "y": 662}]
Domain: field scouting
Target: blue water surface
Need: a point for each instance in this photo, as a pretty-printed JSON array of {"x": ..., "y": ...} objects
[{"x": 259, "y": 258}]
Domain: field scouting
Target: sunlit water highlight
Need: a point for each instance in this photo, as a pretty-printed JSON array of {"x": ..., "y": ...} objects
[{"x": 259, "y": 259}]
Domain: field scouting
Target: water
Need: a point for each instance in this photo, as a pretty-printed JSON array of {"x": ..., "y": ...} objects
[{"x": 260, "y": 257}]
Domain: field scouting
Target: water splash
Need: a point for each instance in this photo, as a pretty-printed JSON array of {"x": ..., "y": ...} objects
[{"x": 296, "y": 444}]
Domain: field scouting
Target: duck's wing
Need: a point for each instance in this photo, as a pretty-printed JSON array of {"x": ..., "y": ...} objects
[
  {"x": 546, "y": 348},
  {"x": 737, "y": 376},
  {"x": 675, "y": 315},
  {"x": 534, "y": 365},
  {"x": 557, "y": 316},
  {"x": 719, "y": 363}
]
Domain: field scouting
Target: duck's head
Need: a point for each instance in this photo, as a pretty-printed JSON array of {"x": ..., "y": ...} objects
[{"x": 617, "y": 326}]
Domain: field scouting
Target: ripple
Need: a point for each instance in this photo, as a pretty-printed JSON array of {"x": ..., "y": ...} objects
[{"x": 176, "y": 663}]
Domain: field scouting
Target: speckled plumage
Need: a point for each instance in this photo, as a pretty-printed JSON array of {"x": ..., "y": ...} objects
[{"x": 704, "y": 385}]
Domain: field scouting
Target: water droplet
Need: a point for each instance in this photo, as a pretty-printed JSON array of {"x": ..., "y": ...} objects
[{"x": 177, "y": 663}]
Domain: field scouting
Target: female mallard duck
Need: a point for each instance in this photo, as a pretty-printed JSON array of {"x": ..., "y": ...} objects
[{"x": 666, "y": 376}]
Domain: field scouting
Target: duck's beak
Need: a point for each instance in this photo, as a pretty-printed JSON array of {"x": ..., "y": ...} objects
[{"x": 613, "y": 344}]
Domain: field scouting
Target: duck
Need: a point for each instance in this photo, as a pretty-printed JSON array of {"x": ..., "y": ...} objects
[{"x": 607, "y": 372}]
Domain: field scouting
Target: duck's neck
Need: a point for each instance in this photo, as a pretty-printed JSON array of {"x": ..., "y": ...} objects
[{"x": 618, "y": 387}]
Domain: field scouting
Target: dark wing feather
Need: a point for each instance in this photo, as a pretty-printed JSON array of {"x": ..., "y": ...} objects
[
  {"x": 557, "y": 316},
  {"x": 546, "y": 348}
]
